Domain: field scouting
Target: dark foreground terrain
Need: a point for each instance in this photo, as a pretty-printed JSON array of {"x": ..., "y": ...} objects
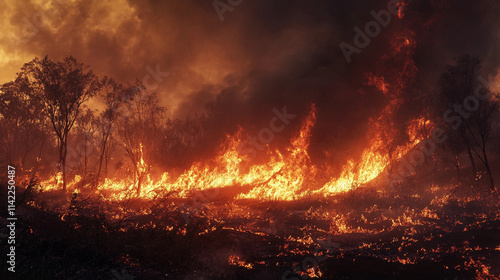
[{"x": 405, "y": 233}]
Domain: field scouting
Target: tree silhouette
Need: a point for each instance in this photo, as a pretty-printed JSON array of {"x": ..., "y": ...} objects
[
  {"x": 472, "y": 127},
  {"x": 115, "y": 96},
  {"x": 22, "y": 123},
  {"x": 62, "y": 87},
  {"x": 139, "y": 131},
  {"x": 85, "y": 127}
]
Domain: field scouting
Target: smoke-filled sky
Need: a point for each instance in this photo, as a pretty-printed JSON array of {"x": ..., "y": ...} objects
[{"x": 263, "y": 54}]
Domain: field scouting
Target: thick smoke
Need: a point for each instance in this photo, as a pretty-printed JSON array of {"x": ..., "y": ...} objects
[{"x": 263, "y": 55}]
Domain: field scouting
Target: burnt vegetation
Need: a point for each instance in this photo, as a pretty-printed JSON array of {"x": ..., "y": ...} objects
[
  {"x": 95, "y": 220},
  {"x": 269, "y": 150}
]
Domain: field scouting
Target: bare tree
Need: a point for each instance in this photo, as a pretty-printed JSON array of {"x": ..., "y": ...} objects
[
  {"x": 139, "y": 129},
  {"x": 86, "y": 130},
  {"x": 115, "y": 97},
  {"x": 473, "y": 128},
  {"x": 479, "y": 131},
  {"x": 181, "y": 141}
]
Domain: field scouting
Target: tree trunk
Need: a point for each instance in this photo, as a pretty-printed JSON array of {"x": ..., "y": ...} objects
[
  {"x": 457, "y": 166},
  {"x": 473, "y": 164},
  {"x": 63, "y": 165},
  {"x": 101, "y": 158},
  {"x": 85, "y": 159},
  {"x": 488, "y": 170},
  {"x": 62, "y": 162},
  {"x": 106, "y": 161}
]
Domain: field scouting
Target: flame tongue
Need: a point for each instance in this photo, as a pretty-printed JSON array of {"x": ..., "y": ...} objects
[
  {"x": 283, "y": 177},
  {"x": 285, "y": 182}
]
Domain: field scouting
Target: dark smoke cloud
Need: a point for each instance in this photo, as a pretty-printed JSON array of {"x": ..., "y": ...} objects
[{"x": 264, "y": 55}]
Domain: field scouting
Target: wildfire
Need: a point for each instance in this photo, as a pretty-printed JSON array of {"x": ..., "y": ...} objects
[
  {"x": 283, "y": 177},
  {"x": 285, "y": 183},
  {"x": 288, "y": 173},
  {"x": 141, "y": 165},
  {"x": 373, "y": 160}
]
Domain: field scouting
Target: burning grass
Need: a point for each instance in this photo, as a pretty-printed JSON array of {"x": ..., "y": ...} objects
[
  {"x": 407, "y": 232},
  {"x": 283, "y": 219}
]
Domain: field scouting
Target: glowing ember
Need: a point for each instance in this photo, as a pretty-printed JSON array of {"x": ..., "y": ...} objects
[{"x": 235, "y": 260}]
